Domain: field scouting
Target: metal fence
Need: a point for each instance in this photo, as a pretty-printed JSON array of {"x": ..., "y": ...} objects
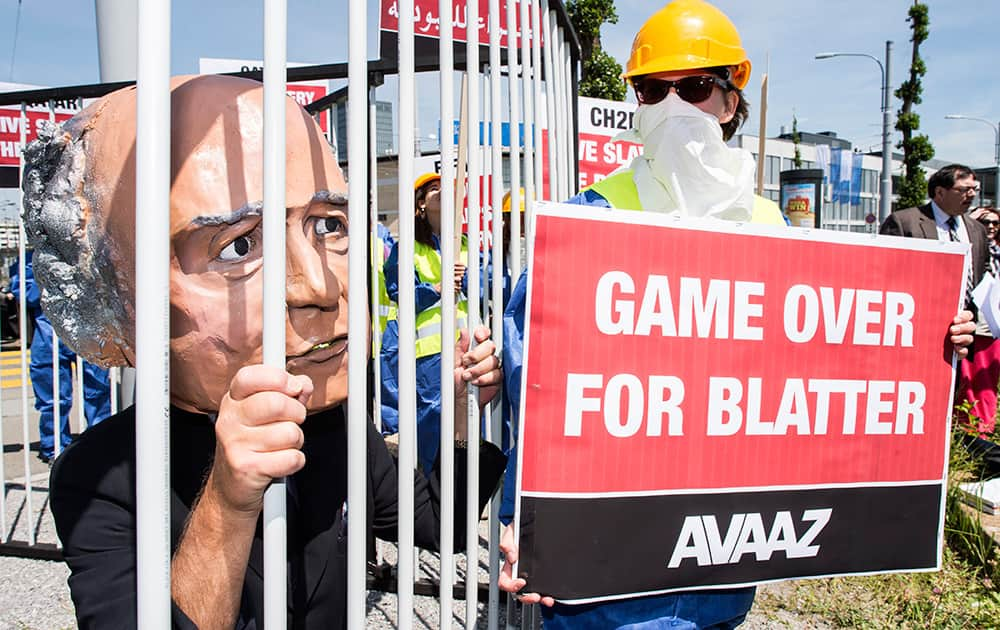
[{"x": 530, "y": 83}]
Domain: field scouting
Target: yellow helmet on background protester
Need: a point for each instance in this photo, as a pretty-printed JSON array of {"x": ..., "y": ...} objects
[
  {"x": 506, "y": 201},
  {"x": 425, "y": 179},
  {"x": 686, "y": 35}
]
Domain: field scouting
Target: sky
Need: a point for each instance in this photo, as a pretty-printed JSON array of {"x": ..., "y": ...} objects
[{"x": 56, "y": 44}]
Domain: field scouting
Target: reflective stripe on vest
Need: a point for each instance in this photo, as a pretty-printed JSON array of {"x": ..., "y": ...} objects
[
  {"x": 386, "y": 307},
  {"x": 620, "y": 191},
  {"x": 427, "y": 261}
]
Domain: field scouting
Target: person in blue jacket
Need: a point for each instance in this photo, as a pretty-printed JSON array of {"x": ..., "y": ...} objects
[
  {"x": 427, "y": 296},
  {"x": 687, "y": 54},
  {"x": 96, "y": 385}
]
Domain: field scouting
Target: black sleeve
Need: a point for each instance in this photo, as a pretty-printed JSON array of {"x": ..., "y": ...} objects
[
  {"x": 427, "y": 493},
  {"x": 93, "y": 505}
]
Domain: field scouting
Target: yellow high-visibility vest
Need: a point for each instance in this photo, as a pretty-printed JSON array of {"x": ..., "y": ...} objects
[
  {"x": 620, "y": 191},
  {"x": 427, "y": 261}
]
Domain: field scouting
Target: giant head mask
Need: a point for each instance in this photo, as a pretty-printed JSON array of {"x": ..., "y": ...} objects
[{"x": 80, "y": 213}]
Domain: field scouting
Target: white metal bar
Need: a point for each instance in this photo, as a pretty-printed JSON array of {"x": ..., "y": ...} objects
[
  {"x": 22, "y": 320},
  {"x": 273, "y": 222},
  {"x": 153, "y": 315},
  {"x": 472, "y": 264},
  {"x": 448, "y": 210},
  {"x": 570, "y": 139},
  {"x": 357, "y": 404},
  {"x": 56, "y": 364},
  {"x": 407, "y": 319},
  {"x": 550, "y": 87},
  {"x": 81, "y": 417},
  {"x": 514, "y": 100},
  {"x": 556, "y": 181},
  {"x": 374, "y": 275},
  {"x": 496, "y": 322},
  {"x": 113, "y": 382},
  {"x": 56, "y": 398},
  {"x": 536, "y": 63},
  {"x": 510, "y": 613},
  {"x": 529, "y": 110}
]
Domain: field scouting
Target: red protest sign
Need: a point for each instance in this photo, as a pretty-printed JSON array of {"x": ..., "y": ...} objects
[{"x": 716, "y": 405}]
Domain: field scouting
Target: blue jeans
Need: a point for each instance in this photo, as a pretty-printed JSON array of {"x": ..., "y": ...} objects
[{"x": 696, "y": 610}]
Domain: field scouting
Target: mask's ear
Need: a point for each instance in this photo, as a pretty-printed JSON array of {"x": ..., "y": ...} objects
[{"x": 732, "y": 102}]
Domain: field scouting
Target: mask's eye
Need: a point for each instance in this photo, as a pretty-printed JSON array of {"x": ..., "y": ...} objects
[
  {"x": 237, "y": 250},
  {"x": 329, "y": 225}
]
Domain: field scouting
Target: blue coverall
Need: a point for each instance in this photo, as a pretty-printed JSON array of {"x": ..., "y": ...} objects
[
  {"x": 428, "y": 368},
  {"x": 96, "y": 385}
]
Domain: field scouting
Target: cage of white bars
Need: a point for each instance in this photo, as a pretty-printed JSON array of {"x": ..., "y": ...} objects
[{"x": 506, "y": 78}]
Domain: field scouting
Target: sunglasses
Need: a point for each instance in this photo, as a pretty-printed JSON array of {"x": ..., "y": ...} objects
[
  {"x": 989, "y": 222},
  {"x": 693, "y": 89}
]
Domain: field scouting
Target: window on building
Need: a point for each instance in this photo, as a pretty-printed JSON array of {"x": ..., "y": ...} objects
[
  {"x": 869, "y": 181},
  {"x": 772, "y": 166}
]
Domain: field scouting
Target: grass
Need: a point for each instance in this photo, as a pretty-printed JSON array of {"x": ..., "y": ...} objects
[
  {"x": 955, "y": 597},
  {"x": 964, "y": 594}
]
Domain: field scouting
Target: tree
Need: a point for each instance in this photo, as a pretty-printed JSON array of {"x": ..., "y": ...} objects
[
  {"x": 601, "y": 76},
  {"x": 796, "y": 138},
  {"x": 917, "y": 148}
]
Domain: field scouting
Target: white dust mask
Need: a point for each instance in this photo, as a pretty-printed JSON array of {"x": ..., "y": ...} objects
[{"x": 686, "y": 166}]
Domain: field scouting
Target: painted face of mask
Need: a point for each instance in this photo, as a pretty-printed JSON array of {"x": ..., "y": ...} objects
[{"x": 686, "y": 166}]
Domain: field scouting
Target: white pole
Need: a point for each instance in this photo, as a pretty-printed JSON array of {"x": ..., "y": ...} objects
[
  {"x": 116, "y": 39},
  {"x": 571, "y": 140},
  {"x": 374, "y": 275},
  {"x": 113, "y": 388},
  {"x": 56, "y": 364},
  {"x": 472, "y": 264},
  {"x": 514, "y": 97},
  {"x": 536, "y": 63},
  {"x": 56, "y": 399},
  {"x": 22, "y": 320},
  {"x": 80, "y": 415},
  {"x": 152, "y": 315},
  {"x": 551, "y": 85},
  {"x": 529, "y": 111},
  {"x": 273, "y": 221},
  {"x": 496, "y": 322},
  {"x": 407, "y": 318},
  {"x": 357, "y": 337},
  {"x": 448, "y": 210}
]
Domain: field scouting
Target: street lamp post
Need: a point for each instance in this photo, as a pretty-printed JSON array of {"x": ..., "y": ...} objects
[
  {"x": 996, "y": 159},
  {"x": 885, "y": 200}
]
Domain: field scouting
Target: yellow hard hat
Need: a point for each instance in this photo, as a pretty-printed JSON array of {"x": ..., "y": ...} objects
[
  {"x": 686, "y": 35},
  {"x": 425, "y": 179},
  {"x": 506, "y": 201}
]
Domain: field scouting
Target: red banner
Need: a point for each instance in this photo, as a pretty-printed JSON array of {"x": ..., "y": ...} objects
[
  {"x": 427, "y": 21},
  {"x": 10, "y": 131},
  {"x": 677, "y": 371}
]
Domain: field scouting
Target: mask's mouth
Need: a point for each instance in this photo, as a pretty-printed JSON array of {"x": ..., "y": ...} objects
[{"x": 319, "y": 352}]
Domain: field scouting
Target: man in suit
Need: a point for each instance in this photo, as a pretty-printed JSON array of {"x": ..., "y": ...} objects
[
  {"x": 951, "y": 190},
  {"x": 235, "y": 424}
]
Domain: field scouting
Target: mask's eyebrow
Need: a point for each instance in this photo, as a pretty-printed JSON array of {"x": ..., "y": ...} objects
[
  {"x": 252, "y": 209},
  {"x": 334, "y": 198}
]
